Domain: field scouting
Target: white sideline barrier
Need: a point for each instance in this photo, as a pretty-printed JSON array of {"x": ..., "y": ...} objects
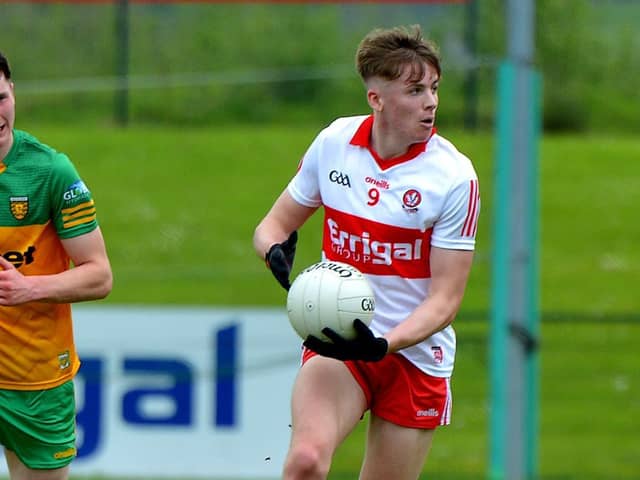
[{"x": 183, "y": 392}]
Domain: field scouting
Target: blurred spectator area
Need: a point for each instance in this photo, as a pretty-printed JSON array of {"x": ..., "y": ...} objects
[{"x": 206, "y": 63}]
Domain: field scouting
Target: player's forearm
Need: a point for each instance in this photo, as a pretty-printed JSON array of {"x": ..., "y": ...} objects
[
  {"x": 432, "y": 316},
  {"x": 266, "y": 235},
  {"x": 285, "y": 216},
  {"x": 89, "y": 281}
]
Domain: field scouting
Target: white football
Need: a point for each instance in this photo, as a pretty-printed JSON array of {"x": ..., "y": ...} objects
[{"x": 329, "y": 294}]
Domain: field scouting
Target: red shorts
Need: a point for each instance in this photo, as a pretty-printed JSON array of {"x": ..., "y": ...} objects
[{"x": 401, "y": 393}]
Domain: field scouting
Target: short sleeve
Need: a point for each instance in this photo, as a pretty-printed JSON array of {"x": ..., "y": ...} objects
[
  {"x": 457, "y": 226},
  {"x": 304, "y": 187},
  {"x": 73, "y": 209}
]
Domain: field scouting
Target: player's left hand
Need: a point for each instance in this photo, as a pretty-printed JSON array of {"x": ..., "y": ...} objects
[{"x": 365, "y": 346}]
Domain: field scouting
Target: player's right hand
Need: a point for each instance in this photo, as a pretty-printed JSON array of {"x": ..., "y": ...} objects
[
  {"x": 14, "y": 286},
  {"x": 365, "y": 346},
  {"x": 280, "y": 257}
]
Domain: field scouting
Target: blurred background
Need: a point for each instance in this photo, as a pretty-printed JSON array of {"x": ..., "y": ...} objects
[
  {"x": 285, "y": 62},
  {"x": 186, "y": 120}
]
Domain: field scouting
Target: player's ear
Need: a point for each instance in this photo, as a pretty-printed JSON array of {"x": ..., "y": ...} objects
[{"x": 374, "y": 100}]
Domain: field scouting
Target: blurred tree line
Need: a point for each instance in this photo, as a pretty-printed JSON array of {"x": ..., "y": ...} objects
[{"x": 203, "y": 64}]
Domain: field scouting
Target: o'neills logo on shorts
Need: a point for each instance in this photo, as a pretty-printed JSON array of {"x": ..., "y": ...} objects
[
  {"x": 69, "y": 452},
  {"x": 431, "y": 412}
]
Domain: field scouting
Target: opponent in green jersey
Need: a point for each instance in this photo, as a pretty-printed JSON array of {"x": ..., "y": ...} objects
[{"x": 52, "y": 253}]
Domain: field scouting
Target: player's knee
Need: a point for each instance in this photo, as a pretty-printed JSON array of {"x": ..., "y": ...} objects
[{"x": 306, "y": 462}]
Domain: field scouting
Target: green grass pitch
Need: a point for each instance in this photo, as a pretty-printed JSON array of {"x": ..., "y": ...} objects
[{"x": 178, "y": 209}]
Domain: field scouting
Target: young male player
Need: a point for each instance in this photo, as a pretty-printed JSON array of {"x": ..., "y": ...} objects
[
  {"x": 401, "y": 204},
  {"x": 47, "y": 221}
]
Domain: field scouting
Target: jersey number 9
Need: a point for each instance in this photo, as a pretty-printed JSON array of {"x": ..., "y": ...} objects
[{"x": 374, "y": 196}]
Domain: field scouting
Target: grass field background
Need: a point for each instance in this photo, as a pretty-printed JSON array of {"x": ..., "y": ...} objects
[{"x": 178, "y": 208}]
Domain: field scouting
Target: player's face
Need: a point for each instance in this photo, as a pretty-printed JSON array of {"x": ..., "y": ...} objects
[
  {"x": 7, "y": 115},
  {"x": 408, "y": 105}
]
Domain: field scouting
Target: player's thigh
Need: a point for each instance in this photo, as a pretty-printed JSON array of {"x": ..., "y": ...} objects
[
  {"x": 394, "y": 451},
  {"x": 327, "y": 402},
  {"x": 19, "y": 471}
]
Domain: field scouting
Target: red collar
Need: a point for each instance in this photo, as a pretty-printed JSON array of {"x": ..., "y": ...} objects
[{"x": 362, "y": 138}]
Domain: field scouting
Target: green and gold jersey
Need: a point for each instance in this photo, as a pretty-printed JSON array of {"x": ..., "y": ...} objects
[{"x": 42, "y": 200}]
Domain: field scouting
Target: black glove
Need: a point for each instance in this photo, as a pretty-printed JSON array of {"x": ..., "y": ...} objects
[
  {"x": 365, "y": 346},
  {"x": 280, "y": 259}
]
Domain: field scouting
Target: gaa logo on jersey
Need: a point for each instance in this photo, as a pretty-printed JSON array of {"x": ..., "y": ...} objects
[
  {"x": 340, "y": 178},
  {"x": 410, "y": 200},
  {"x": 64, "y": 359},
  {"x": 19, "y": 207}
]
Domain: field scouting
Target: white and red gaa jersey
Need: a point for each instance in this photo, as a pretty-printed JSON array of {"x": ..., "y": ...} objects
[{"x": 382, "y": 217}]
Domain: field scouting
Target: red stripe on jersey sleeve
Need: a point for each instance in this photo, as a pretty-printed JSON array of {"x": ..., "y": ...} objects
[
  {"x": 471, "y": 221},
  {"x": 376, "y": 248}
]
